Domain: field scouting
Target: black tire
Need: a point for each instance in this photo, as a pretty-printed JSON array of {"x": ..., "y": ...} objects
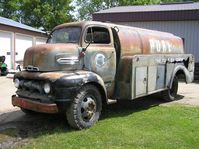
[
  {"x": 86, "y": 108},
  {"x": 28, "y": 112},
  {"x": 171, "y": 94}
]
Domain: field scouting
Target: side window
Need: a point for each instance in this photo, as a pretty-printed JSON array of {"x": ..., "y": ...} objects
[{"x": 97, "y": 35}]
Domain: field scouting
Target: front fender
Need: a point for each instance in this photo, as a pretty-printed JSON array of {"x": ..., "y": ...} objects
[{"x": 79, "y": 78}]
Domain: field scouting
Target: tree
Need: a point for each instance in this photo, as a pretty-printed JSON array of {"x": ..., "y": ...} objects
[
  {"x": 85, "y": 9},
  {"x": 10, "y": 9},
  {"x": 43, "y": 14}
]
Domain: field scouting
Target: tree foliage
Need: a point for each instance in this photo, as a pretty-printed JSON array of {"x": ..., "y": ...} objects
[
  {"x": 37, "y": 13},
  {"x": 9, "y": 9},
  {"x": 85, "y": 9}
]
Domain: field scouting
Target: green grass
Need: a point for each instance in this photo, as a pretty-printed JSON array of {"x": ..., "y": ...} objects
[{"x": 128, "y": 126}]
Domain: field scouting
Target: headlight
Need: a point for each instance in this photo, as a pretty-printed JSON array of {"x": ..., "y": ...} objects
[
  {"x": 17, "y": 83},
  {"x": 47, "y": 88}
]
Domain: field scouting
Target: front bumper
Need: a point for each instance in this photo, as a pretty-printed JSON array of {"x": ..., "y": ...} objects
[{"x": 34, "y": 105}]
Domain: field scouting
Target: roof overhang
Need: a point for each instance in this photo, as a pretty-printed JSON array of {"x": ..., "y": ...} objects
[
  {"x": 171, "y": 12},
  {"x": 12, "y": 23},
  {"x": 147, "y": 16}
]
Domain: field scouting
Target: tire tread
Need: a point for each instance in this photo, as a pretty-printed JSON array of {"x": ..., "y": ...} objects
[{"x": 71, "y": 112}]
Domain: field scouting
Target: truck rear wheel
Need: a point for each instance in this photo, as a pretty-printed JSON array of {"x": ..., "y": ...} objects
[
  {"x": 86, "y": 108},
  {"x": 171, "y": 94}
]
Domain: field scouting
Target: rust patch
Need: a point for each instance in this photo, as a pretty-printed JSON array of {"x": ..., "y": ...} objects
[
  {"x": 44, "y": 56},
  {"x": 34, "y": 106}
]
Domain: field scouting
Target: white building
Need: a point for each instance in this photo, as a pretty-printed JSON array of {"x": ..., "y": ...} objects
[{"x": 15, "y": 38}]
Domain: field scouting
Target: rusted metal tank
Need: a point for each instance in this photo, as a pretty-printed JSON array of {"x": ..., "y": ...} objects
[{"x": 141, "y": 41}]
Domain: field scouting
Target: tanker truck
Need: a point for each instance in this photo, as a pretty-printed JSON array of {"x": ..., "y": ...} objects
[{"x": 87, "y": 64}]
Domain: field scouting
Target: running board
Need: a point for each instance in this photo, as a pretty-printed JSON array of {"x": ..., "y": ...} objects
[{"x": 111, "y": 101}]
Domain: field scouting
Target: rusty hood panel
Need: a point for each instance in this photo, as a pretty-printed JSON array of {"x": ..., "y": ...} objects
[{"x": 44, "y": 57}]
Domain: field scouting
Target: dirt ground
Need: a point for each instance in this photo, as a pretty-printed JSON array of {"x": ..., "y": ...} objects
[{"x": 17, "y": 127}]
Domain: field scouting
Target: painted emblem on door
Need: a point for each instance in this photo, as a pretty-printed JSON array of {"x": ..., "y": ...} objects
[{"x": 100, "y": 59}]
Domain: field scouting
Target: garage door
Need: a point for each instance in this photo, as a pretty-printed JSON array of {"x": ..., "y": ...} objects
[
  {"x": 40, "y": 41},
  {"x": 5, "y": 46},
  {"x": 22, "y": 43}
]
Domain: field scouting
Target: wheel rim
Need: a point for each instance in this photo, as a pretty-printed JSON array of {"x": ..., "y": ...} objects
[{"x": 88, "y": 108}]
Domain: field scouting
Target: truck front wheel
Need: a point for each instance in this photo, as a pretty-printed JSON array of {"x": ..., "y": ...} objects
[
  {"x": 85, "y": 110},
  {"x": 171, "y": 94}
]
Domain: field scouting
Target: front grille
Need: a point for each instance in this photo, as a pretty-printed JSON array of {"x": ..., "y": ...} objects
[
  {"x": 33, "y": 89},
  {"x": 32, "y": 86}
]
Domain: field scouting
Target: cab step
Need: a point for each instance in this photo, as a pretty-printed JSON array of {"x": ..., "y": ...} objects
[{"x": 111, "y": 101}]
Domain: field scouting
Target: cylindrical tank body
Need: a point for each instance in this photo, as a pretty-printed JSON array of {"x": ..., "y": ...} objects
[
  {"x": 142, "y": 41},
  {"x": 136, "y": 41}
]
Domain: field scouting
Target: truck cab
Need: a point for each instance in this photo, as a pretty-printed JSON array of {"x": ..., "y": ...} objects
[{"x": 86, "y": 64}]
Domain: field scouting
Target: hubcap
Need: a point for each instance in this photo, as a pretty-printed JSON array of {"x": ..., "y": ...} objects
[{"x": 88, "y": 108}]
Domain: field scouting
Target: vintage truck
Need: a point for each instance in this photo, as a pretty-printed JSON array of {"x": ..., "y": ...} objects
[{"x": 84, "y": 65}]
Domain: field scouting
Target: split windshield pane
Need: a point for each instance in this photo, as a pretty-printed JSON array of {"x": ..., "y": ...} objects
[{"x": 65, "y": 35}]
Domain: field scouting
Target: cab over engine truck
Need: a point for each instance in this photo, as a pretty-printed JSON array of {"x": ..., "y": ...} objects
[{"x": 86, "y": 64}]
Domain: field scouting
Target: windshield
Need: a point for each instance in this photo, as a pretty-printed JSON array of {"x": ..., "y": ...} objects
[{"x": 65, "y": 35}]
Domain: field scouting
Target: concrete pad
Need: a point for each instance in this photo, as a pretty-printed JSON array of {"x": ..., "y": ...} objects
[
  {"x": 7, "y": 89},
  {"x": 189, "y": 94}
]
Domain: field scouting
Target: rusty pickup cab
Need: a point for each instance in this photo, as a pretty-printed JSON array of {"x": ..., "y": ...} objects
[{"x": 84, "y": 65}]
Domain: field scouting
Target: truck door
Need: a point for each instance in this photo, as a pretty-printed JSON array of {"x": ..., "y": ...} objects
[{"x": 100, "y": 55}]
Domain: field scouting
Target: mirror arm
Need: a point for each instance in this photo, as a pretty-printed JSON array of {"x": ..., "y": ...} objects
[{"x": 84, "y": 49}]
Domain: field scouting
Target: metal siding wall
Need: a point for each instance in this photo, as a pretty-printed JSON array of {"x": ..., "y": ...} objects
[{"x": 189, "y": 30}]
